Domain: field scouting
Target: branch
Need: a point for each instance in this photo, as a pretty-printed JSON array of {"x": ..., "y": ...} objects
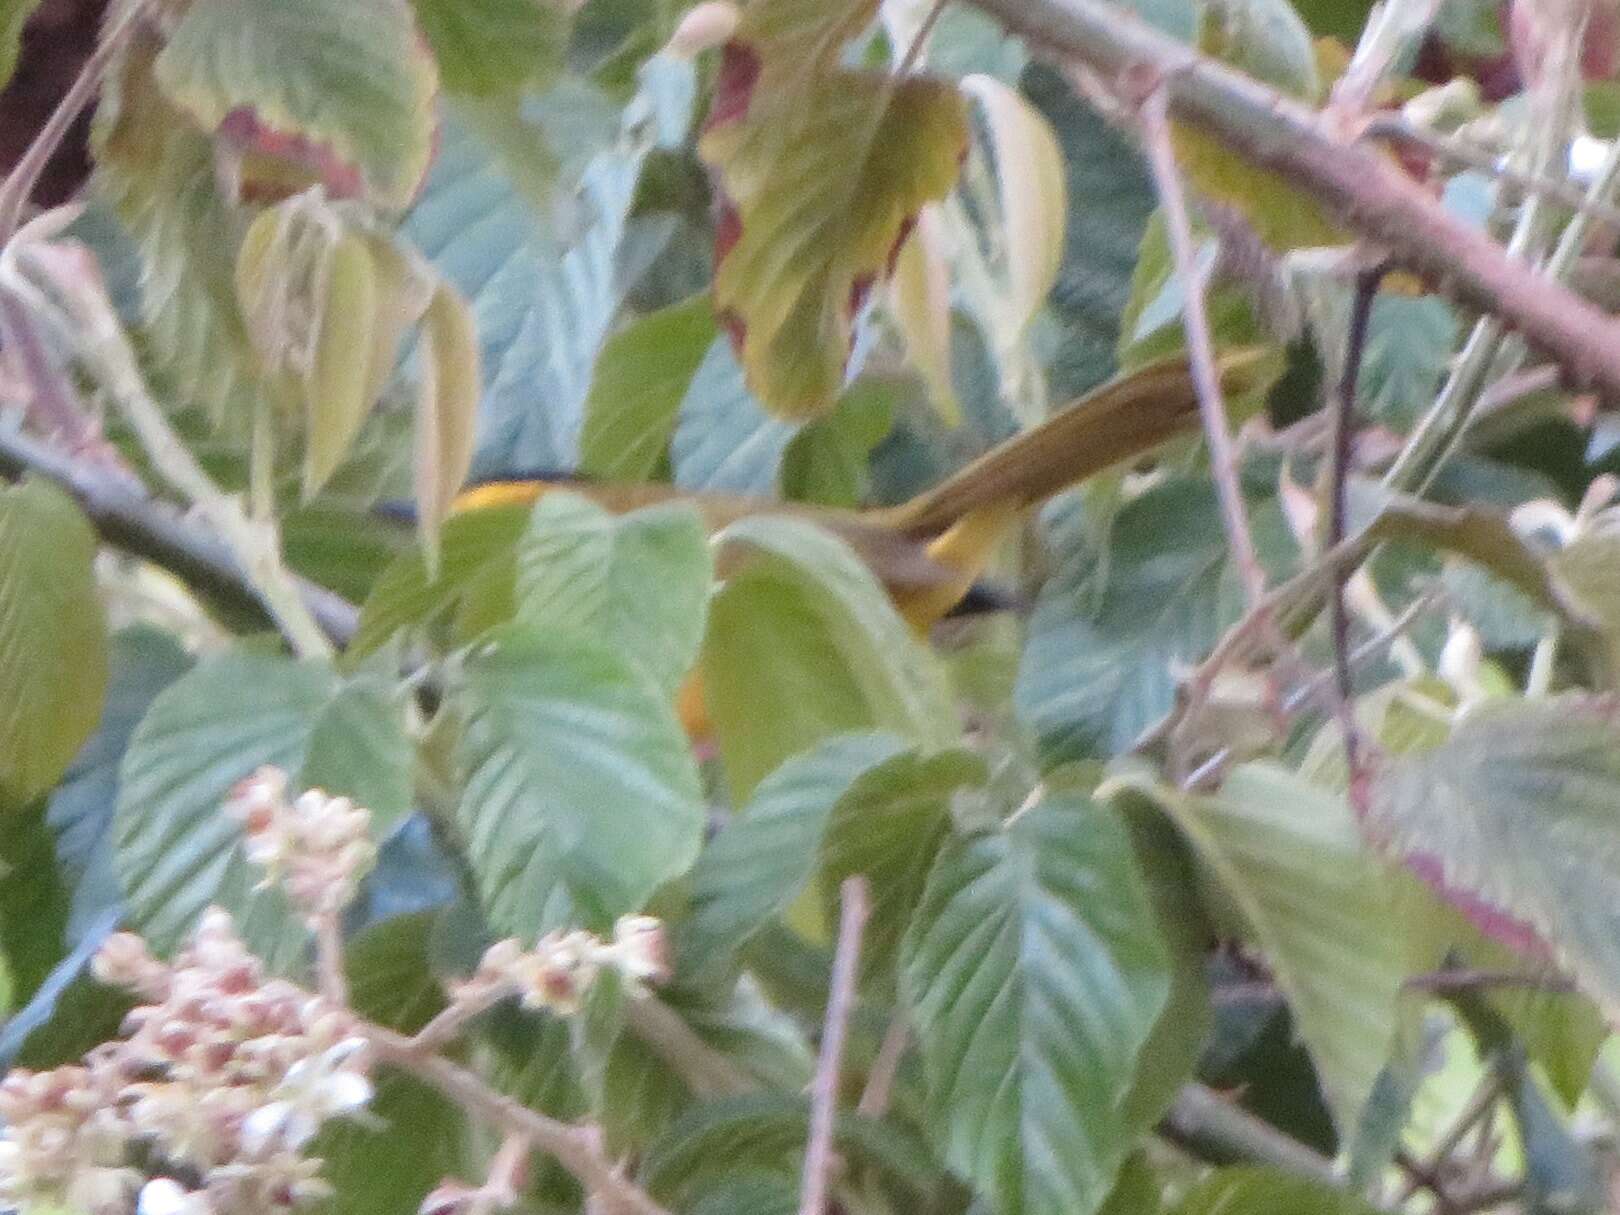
[
  {"x": 854, "y": 902},
  {"x": 1223, "y": 456},
  {"x": 127, "y": 517},
  {"x": 1368, "y": 193},
  {"x": 1213, "y": 1129},
  {"x": 577, "y": 1148},
  {"x": 24, "y": 175}
]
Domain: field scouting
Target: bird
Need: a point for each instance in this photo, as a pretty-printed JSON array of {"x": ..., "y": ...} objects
[{"x": 930, "y": 552}]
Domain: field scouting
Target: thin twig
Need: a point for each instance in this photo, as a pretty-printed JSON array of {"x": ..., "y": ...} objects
[
  {"x": 24, "y": 176},
  {"x": 1364, "y": 190},
  {"x": 1478, "y": 1107},
  {"x": 329, "y": 958},
  {"x": 854, "y": 903},
  {"x": 254, "y": 543},
  {"x": 127, "y": 517},
  {"x": 578, "y": 1148},
  {"x": 706, "y": 1071},
  {"x": 443, "y": 1028},
  {"x": 1394, "y": 127},
  {"x": 919, "y": 40},
  {"x": 874, "y": 1102},
  {"x": 1208, "y": 1126},
  {"x": 1201, "y": 344},
  {"x": 1446, "y": 982},
  {"x": 53, "y": 404},
  {"x": 1344, "y": 420},
  {"x": 1425, "y": 1178}
]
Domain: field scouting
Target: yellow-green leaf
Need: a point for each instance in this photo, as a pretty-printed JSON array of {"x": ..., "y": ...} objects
[
  {"x": 823, "y": 170},
  {"x": 335, "y": 390},
  {"x": 345, "y": 90},
  {"x": 53, "y": 640},
  {"x": 447, "y": 406},
  {"x": 920, "y": 299},
  {"x": 1031, "y": 186}
]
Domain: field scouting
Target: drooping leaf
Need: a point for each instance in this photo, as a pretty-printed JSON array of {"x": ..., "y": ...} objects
[
  {"x": 804, "y": 643},
  {"x": 1512, "y": 819},
  {"x": 639, "y": 583},
  {"x": 1034, "y": 972},
  {"x": 581, "y": 793},
  {"x": 823, "y": 169},
  {"x": 446, "y": 410},
  {"x": 53, "y": 638},
  {"x": 920, "y": 299},
  {"x": 641, "y": 376},
  {"x": 486, "y": 47},
  {"x": 1323, "y": 908},
  {"x": 1033, "y": 192},
  {"x": 346, "y": 92}
]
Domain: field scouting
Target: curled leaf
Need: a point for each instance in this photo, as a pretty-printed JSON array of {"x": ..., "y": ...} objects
[
  {"x": 335, "y": 387},
  {"x": 446, "y": 410},
  {"x": 920, "y": 299},
  {"x": 1032, "y": 189}
]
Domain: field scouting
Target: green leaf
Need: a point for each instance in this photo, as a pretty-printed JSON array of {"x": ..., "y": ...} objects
[
  {"x": 158, "y": 172},
  {"x": 1513, "y": 819},
  {"x": 53, "y": 638},
  {"x": 543, "y": 307},
  {"x": 358, "y": 749},
  {"x": 1034, "y": 972},
  {"x": 641, "y": 377},
  {"x": 412, "y": 1139},
  {"x": 1267, "y": 1192},
  {"x": 724, "y": 439},
  {"x": 349, "y": 87},
  {"x": 823, "y": 168},
  {"x": 34, "y": 903},
  {"x": 639, "y": 583},
  {"x": 1111, "y": 629},
  {"x": 494, "y": 46},
  {"x": 765, "y": 1133},
  {"x": 176, "y": 852},
  {"x": 14, "y": 15},
  {"x": 827, "y": 460},
  {"x": 1032, "y": 192},
  {"x": 580, "y": 784},
  {"x": 858, "y": 803},
  {"x": 1137, "y": 1191},
  {"x": 1325, "y": 911},
  {"x": 804, "y": 643},
  {"x": 758, "y": 865},
  {"x": 1111, "y": 197},
  {"x": 337, "y": 389},
  {"x": 477, "y": 551},
  {"x": 143, "y": 661},
  {"x": 230, "y": 715},
  {"x": 446, "y": 410}
]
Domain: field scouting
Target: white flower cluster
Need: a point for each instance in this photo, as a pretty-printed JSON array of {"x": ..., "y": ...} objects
[
  {"x": 559, "y": 970},
  {"x": 203, "y": 1107},
  {"x": 316, "y": 847}
]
